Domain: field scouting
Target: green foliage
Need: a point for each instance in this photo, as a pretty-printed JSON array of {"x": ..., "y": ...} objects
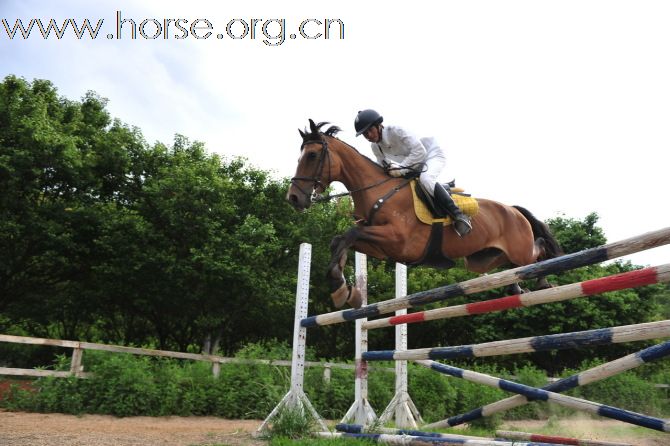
[
  {"x": 129, "y": 387},
  {"x": 126, "y": 385},
  {"x": 381, "y": 386},
  {"x": 107, "y": 238},
  {"x": 575, "y": 235},
  {"x": 291, "y": 423},
  {"x": 334, "y": 397},
  {"x": 627, "y": 391},
  {"x": 436, "y": 396},
  {"x": 533, "y": 377},
  {"x": 271, "y": 349}
]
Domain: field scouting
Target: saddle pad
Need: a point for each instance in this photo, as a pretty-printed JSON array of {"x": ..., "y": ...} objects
[{"x": 468, "y": 205}]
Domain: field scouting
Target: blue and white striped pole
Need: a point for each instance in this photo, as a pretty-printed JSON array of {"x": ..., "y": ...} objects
[
  {"x": 594, "y": 374},
  {"x": 545, "y": 395},
  {"x": 603, "y": 336},
  {"x": 424, "y": 440}
]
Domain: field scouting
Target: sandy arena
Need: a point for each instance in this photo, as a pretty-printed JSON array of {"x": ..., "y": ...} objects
[{"x": 32, "y": 429}]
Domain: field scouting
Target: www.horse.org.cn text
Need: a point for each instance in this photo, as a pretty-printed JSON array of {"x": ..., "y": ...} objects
[{"x": 272, "y": 32}]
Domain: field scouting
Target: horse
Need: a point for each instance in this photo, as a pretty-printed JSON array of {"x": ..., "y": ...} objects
[{"x": 387, "y": 227}]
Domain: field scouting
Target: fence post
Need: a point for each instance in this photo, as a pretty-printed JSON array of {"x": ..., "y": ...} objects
[
  {"x": 75, "y": 365},
  {"x": 326, "y": 374},
  {"x": 216, "y": 368}
]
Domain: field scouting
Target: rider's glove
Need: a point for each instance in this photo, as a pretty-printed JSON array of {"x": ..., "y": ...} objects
[{"x": 395, "y": 170}]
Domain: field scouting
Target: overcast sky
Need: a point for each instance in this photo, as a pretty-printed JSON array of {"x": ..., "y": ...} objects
[{"x": 562, "y": 107}]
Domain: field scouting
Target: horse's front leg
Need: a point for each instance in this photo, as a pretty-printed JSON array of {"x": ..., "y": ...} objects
[
  {"x": 340, "y": 292},
  {"x": 366, "y": 239}
]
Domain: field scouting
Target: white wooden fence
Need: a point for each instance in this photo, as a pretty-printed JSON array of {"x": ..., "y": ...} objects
[{"x": 78, "y": 347}]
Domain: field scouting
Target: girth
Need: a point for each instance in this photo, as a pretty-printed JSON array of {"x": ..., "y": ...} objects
[{"x": 432, "y": 255}]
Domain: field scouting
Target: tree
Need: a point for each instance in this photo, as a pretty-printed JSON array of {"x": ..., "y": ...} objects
[
  {"x": 107, "y": 238},
  {"x": 58, "y": 160},
  {"x": 574, "y": 235}
]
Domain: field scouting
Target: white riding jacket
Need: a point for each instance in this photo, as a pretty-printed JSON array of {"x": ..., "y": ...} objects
[{"x": 400, "y": 146}]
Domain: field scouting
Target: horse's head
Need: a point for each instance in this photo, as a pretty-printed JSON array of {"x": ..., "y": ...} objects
[{"x": 316, "y": 169}]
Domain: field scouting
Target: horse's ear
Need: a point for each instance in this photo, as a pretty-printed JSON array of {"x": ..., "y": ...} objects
[
  {"x": 313, "y": 127},
  {"x": 302, "y": 134}
]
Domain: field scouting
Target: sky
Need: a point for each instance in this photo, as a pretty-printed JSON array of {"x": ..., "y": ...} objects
[{"x": 562, "y": 107}]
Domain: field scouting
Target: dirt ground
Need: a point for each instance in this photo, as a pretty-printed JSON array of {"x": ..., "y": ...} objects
[{"x": 32, "y": 429}]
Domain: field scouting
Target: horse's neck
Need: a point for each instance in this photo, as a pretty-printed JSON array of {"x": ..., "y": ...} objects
[{"x": 358, "y": 173}]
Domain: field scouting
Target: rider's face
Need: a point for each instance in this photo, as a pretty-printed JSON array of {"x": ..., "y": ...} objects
[{"x": 372, "y": 134}]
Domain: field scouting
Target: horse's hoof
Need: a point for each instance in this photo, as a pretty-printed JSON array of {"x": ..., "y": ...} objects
[
  {"x": 355, "y": 300},
  {"x": 340, "y": 296}
]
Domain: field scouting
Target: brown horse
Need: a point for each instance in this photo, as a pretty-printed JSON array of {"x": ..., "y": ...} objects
[{"x": 387, "y": 227}]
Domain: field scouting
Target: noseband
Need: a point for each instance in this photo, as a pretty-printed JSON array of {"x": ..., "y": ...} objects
[{"x": 318, "y": 171}]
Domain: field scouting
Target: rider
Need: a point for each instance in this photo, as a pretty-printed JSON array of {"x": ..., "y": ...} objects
[{"x": 401, "y": 153}]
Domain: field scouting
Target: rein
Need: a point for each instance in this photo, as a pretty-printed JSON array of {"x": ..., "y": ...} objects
[
  {"x": 325, "y": 198},
  {"x": 318, "y": 172}
]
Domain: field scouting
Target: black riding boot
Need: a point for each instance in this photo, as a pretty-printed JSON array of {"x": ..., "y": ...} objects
[{"x": 445, "y": 204}]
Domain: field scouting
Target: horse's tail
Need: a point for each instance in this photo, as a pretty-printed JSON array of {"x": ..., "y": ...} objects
[{"x": 541, "y": 230}]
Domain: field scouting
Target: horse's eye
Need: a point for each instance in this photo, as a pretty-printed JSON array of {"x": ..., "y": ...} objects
[{"x": 311, "y": 156}]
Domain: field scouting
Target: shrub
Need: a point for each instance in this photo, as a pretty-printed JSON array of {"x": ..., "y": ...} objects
[
  {"x": 331, "y": 399},
  {"x": 127, "y": 385},
  {"x": 433, "y": 394}
]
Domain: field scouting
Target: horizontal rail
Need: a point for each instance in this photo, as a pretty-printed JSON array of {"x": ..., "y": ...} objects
[
  {"x": 214, "y": 359},
  {"x": 419, "y": 440},
  {"x": 514, "y": 435},
  {"x": 630, "y": 279},
  {"x": 483, "y": 283},
  {"x": 602, "y": 336},
  {"x": 591, "y": 375},
  {"x": 38, "y": 373}
]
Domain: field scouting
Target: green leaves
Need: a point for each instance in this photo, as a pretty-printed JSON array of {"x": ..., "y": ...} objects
[{"x": 106, "y": 237}]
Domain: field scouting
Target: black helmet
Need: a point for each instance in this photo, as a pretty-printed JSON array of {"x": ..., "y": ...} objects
[{"x": 366, "y": 119}]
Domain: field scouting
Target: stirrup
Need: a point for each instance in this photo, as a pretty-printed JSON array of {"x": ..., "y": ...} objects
[{"x": 462, "y": 220}]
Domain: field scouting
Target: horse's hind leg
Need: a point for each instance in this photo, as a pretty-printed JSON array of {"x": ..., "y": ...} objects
[
  {"x": 540, "y": 250},
  {"x": 488, "y": 259},
  {"x": 515, "y": 288}
]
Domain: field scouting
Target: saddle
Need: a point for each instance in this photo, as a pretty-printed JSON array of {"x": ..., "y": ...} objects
[
  {"x": 425, "y": 212},
  {"x": 425, "y": 209}
]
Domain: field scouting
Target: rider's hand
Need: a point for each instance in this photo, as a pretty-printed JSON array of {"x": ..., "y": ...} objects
[{"x": 395, "y": 170}]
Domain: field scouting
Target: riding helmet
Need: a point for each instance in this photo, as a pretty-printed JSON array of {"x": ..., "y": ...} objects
[{"x": 366, "y": 119}]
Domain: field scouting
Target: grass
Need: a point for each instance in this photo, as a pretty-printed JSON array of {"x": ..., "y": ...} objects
[{"x": 577, "y": 427}]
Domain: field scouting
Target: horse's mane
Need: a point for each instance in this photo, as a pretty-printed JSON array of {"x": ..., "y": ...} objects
[{"x": 314, "y": 134}]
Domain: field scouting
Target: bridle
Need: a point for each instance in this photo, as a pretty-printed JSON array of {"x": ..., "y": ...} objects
[{"x": 318, "y": 172}]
